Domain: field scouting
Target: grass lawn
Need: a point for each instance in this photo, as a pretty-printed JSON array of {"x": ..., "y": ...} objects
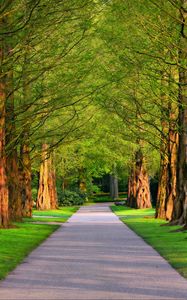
[
  {"x": 60, "y": 215},
  {"x": 16, "y": 243},
  {"x": 171, "y": 245}
]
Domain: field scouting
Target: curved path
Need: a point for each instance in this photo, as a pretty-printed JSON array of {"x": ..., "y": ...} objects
[{"x": 94, "y": 256}]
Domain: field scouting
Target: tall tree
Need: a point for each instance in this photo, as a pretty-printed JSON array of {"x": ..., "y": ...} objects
[
  {"x": 47, "y": 194},
  {"x": 139, "y": 195},
  {"x": 114, "y": 182},
  {"x": 180, "y": 205}
]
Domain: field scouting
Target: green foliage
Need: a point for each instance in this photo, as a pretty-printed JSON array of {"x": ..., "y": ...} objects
[
  {"x": 34, "y": 184},
  {"x": 165, "y": 239},
  {"x": 34, "y": 194},
  {"x": 102, "y": 199},
  {"x": 70, "y": 198}
]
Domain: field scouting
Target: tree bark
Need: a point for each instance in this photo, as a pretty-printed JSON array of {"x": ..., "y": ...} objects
[
  {"x": 47, "y": 194},
  {"x": 4, "y": 217},
  {"x": 114, "y": 183},
  {"x": 25, "y": 160},
  {"x": 15, "y": 203},
  {"x": 169, "y": 149},
  {"x": 132, "y": 187},
  {"x": 25, "y": 179},
  {"x": 162, "y": 188},
  {"x": 43, "y": 200},
  {"x": 172, "y": 172},
  {"x": 15, "y": 207},
  {"x": 180, "y": 205},
  {"x": 138, "y": 188},
  {"x": 52, "y": 184}
]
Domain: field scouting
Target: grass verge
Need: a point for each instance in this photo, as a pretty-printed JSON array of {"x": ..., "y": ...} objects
[
  {"x": 17, "y": 243},
  {"x": 60, "y": 215},
  {"x": 170, "y": 244}
]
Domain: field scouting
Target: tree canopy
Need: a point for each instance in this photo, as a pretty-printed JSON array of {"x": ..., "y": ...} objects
[{"x": 87, "y": 87}]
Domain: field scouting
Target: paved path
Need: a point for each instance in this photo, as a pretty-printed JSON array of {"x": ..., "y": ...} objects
[{"x": 94, "y": 256}]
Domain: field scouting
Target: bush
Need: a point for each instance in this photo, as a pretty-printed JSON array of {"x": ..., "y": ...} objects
[{"x": 69, "y": 198}]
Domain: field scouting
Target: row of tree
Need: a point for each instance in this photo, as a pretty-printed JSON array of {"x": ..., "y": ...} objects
[
  {"x": 43, "y": 92},
  {"x": 93, "y": 86},
  {"x": 147, "y": 51}
]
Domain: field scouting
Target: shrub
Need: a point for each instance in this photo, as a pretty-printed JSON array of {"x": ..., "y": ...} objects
[
  {"x": 34, "y": 193},
  {"x": 69, "y": 198}
]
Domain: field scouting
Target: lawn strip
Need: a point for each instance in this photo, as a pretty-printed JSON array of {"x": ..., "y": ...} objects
[
  {"x": 60, "y": 215},
  {"x": 45, "y": 219},
  {"x": 17, "y": 243}
]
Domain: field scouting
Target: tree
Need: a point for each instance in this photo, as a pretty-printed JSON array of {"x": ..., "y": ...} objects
[
  {"x": 180, "y": 204},
  {"x": 47, "y": 195},
  {"x": 114, "y": 183},
  {"x": 138, "y": 186}
]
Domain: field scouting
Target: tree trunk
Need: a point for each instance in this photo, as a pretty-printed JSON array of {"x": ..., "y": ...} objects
[
  {"x": 15, "y": 201},
  {"x": 52, "y": 184},
  {"x": 65, "y": 184},
  {"x": 172, "y": 172},
  {"x": 15, "y": 207},
  {"x": 164, "y": 150},
  {"x": 169, "y": 147},
  {"x": 25, "y": 179},
  {"x": 43, "y": 200},
  {"x": 114, "y": 183},
  {"x": 132, "y": 186},
  {"x": 180, "y": 204},
  {"x": 162, "y": 188},
  {"x": 25, "y": 160},
  {"x": 4, "y": 217},
  {"x": 138, "y": 189},
  {"x": 47, "y": 194}
]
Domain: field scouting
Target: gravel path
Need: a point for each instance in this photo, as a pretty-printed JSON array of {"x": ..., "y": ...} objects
[{"x": 94, "y": 256}]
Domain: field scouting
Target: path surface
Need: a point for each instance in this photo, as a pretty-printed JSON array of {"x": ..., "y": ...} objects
[{"x": 94, "y": 256}]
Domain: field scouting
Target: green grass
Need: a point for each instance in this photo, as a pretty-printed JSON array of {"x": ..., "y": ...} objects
[
  {"x": 17, "y": 243},
  {"x": 171, "y": 245},
  {"x": 60, "y": 215},
  {"x": 45, "y": 219}
]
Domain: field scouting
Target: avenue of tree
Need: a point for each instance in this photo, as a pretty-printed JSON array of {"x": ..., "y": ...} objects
[{"x": 92, "y": 88}]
